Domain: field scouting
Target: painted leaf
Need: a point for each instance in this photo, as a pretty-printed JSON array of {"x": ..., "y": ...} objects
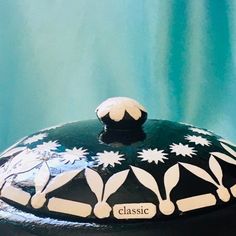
[
  {"x": 26, "y": 166},
  {"x": 216, "y": 169},
  {"x": 16, "y": 160},
  {"x": 60, "y": 180},
  {"x": 224, "y": 157},
  {"x": 114, "y": 183},
  {"x": 42, "y": 178},
  {"x": 199, "y": 172},
  {"x": 13, "y": 151},
  {"x": 228, "y": 149},
  {"x": 147, "y": 180},
  {"x": 23, "y": 160},
  {"x": 95, "y": 183},
  {"x": 171, "y": 178}
]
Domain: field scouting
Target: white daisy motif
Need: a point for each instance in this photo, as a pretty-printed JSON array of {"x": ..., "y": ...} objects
[
  {"x": 154, "y": 155},
  {"x": 108, "y": 158},
  {"x": 200, "y": 131},
  {"x": 198, "y": 140},
  {"x": 183, "y": 150},
  {"x": 116, "y": 108},
  {"x": 35, "y": 138},
  {"x": 47, "y": 146},
  {"x": 72, "y": 155}
]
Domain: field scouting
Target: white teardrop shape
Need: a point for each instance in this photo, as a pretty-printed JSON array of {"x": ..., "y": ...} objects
[
  {"x": 95, "y": 183},
  {"x": 114, "y": 183},
  {"x": 147, "y": 180},
  {"x": 171, "y": 179},
  {"x": 216, "y": 169},
  {"x": 41, "y": 178}
]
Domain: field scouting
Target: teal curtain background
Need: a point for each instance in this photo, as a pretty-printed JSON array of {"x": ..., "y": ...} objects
[{"x": 59, "y": 59}]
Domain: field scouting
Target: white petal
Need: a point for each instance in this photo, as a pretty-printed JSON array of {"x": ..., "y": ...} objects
[
  {"x": 139, "y": 105},
  {"x": 134, "y": 112},
  {"x": 117, "y": 113},
  {"x": 102, "y": 112}
]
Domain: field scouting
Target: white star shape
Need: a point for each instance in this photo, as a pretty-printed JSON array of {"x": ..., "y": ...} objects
[
  {"x": 200, "y": 131},
  {"x": 47, "y": 146},
  {"x": 198, "y": 140},
  {"x": 35, "y": 138},
  {"x": 154, "y": 155},
  {"x": 108, "y": 158},
  {"x": 183, "y": 150},
  {"x": 72, "y": 155}
]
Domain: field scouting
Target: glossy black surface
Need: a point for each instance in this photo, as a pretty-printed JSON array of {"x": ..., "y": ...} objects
[
  {"x": 127, "y": 123},
  {"x": 158, "y": 134},
  {"x": 218, "y": 223}
]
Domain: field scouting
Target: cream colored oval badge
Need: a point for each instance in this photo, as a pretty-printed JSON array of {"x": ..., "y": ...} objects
[{"x": 134, "y": 211}]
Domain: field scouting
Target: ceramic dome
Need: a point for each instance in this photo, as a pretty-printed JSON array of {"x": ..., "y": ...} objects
[{"x": 128, "y": 169}]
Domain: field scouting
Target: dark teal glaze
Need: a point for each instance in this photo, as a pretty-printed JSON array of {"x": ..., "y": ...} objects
[{"x": 155, "y": 134}]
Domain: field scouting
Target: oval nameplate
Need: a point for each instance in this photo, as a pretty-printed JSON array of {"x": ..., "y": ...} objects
[{"x": 134, "y": 211}]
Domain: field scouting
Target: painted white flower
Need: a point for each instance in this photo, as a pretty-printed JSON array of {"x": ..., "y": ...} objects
[
  {"x": 35, "y": 138},
  {"x": 108, "y": 158},
  {"x": 21, "y": 163},
  {"x": 183, "y": 150},
  {"x": 200, "y": 131},
  {"x": 72, "y": 155},
  {"x": 116, "y": 108},
  {"x": 47, "y": 146},
  {"x": 154, "y": 155},
  {"x": 198, "y": 140}
]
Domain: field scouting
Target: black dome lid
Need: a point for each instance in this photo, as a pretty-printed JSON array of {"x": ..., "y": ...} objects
[{"x": 129, "y": 170}]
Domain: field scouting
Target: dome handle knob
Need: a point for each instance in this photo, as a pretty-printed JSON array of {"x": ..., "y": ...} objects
[{"x": 121, "y": 113}]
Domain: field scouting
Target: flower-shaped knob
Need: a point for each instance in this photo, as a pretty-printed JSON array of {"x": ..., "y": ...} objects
[{"x": 121, "y": 113}]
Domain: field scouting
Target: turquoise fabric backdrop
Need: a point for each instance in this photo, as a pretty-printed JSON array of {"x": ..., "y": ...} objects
[{"x": 59, "y": 59}]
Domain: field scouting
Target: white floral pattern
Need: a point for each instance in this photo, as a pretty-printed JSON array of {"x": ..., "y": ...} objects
[
  {"x": 183, "y": 150},
  {"x": 200, "y": 131},
  {"x": 72, "y": 155},
  {"x": 198, "y": 140},
  {"x": 41, "y": 159},
  {"x": 116, "y": 108},
  {"x": 108, "y": 158},
  {"x": 47, "y": 146},
  {"x": 35, "y": 138},
  {"x": 154, "y": 155}
]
